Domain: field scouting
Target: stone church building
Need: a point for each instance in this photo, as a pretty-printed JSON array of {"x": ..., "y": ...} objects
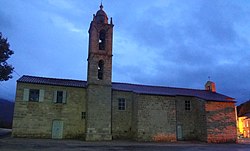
[{"x": 99, "y": 109}]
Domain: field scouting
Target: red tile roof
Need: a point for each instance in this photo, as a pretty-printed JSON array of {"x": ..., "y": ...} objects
[
  {"x": 140, "y": 89},
  {"x": 171, "y": 91},
  {"x": 52, "y": 81}
]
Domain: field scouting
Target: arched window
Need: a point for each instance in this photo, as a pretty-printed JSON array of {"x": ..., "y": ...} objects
[
  {"x": 102, "y": 36},
  {"x": 100, "y": 69}
]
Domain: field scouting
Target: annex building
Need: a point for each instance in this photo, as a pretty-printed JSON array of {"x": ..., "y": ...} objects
[{"x": 99, "y": 109}]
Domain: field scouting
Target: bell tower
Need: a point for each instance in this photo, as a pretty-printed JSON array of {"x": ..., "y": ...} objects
[
  {"x": 210, "y": 86},
  {"x": 98, "y": 120}
]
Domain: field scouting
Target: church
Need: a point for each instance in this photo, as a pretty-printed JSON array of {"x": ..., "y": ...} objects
[{"x": 99, "y": 109}]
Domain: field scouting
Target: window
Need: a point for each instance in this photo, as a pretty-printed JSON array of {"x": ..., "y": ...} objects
[
  {"x": 60, "y": 96},
  {"x": 34, "y": 95},
  {"x": 100, "y": 69},
  {"x": 121, "y": 104},
  {"x": 102, "y": 36},
  {"x": 83, "y": 115},
  {"x": 187, "y": 106}
]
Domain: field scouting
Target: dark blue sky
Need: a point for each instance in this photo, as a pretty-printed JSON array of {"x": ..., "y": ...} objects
[{"x": 175, "y": 43}]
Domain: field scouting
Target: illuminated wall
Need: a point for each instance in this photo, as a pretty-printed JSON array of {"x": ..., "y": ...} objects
[{"x": 221, "y": 122}]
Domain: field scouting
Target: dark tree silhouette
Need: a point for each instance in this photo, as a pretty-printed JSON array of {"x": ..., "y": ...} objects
[{"x": 5, "y": 53}]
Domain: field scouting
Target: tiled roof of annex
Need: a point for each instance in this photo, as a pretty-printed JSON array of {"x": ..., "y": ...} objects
[{"x": 136, "y": 88}]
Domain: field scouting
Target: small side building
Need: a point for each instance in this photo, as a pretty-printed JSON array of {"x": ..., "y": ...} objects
[{"x": 243, "y": 120}]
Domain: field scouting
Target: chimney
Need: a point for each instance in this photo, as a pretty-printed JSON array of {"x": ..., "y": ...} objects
[{"x": 210, "y": 86}]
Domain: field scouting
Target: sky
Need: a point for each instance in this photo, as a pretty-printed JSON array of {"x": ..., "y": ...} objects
[{"x": 175, "y": 43}]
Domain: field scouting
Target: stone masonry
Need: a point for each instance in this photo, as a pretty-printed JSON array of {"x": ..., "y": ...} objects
[
  {"x": 220, "y": 118},
  {"x": 122, "y": 120},
  {"x": 156, "y": 118},
  {"x": 192, "y": 122},
  {"x": 34, "y": 119},
  {"x": 99, "y": 78}
]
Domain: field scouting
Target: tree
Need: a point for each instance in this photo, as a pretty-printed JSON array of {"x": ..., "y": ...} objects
[{"x": 5, "y": 53}]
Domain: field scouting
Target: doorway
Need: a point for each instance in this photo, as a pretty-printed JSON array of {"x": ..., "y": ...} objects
[
  {"x": 179, "y": 132},
  {"x": 57, "y": 129}
]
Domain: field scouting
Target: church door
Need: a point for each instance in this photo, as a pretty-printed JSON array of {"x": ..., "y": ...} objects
[{"x": 57, "y": 129}]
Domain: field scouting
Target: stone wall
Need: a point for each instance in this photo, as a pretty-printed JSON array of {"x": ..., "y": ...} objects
[
  {"x": 146, "y": 118},
  {"x": 191, "y": 122},
  {"x": 156, "y": 118},
  {"x": 221, "y": 122},
  {"x": 122, "y": 119},
  {"x": 98, "y": 113},
  {"x": 34, "y": 119},
  {"x": 134, "y": 122}
]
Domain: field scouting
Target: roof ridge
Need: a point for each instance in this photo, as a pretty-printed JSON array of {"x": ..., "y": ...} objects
[
  {"x": 118, "y": 83},
  {"x": 248, "y": 101},
  {"x": 52, "y": 78},
  {"x": 158, "y": 86}
]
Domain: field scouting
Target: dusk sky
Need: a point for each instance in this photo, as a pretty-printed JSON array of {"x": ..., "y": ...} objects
[{"x": 175, "y": 43}]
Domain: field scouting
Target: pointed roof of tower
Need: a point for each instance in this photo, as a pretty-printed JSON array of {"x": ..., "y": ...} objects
[
  {"x": 101, "y": 16},
  {"x": 101, "y": 6}
]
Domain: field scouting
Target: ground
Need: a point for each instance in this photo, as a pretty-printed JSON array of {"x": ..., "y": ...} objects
[{"x": 8, "y": 143}]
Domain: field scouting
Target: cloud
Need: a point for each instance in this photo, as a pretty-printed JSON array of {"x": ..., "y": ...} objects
[
  {"x": 59, "y": 21},
  {"x": 62, "y": 4},
  {"x": 5, "y": 22},
  {"x": 170, "y": 43},
  {"x": 187, "y": 45}
]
